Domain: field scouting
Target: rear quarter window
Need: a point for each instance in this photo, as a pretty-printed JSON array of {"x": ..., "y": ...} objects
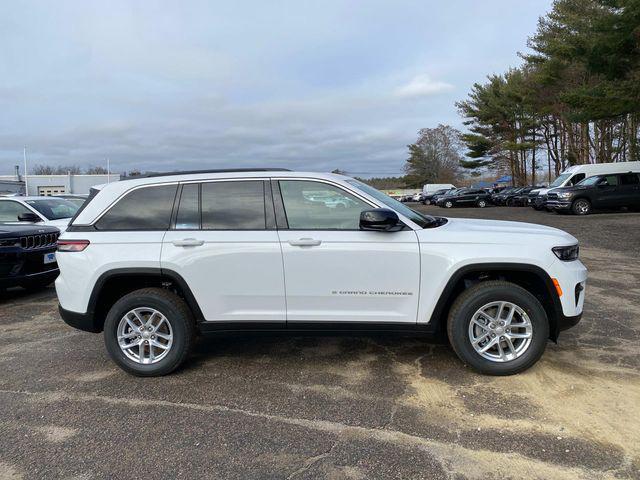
[{"x": 146, "y": 208}]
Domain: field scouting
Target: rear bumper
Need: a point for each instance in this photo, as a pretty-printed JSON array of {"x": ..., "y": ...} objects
[{"x": 81, "y": 321}]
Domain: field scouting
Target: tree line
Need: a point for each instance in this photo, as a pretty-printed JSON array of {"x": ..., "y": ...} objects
[
  {"x": 574, "y": 100},
  {"x": 65, "y": 169}
]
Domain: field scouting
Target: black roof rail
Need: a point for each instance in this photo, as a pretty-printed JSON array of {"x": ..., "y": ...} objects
[{"x": 219, "y": 170}]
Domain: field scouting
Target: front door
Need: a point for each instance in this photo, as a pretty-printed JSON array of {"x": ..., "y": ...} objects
[
  {"x": 334, "y": 272},
  {"x": 607, "y": 194},
  {"x": 224, "y": 244}
]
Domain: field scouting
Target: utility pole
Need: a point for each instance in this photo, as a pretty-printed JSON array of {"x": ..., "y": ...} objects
[
  {"x": 108, "y": 171},
  {"x": 26, "y": 184}
]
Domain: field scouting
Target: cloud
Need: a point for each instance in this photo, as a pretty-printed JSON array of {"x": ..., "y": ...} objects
[
  {"x": 421, "y": 86},
  {"x": 304, "y": 85}
]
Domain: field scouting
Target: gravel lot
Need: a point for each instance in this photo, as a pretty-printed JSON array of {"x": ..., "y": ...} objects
[{"x": 335, "y": 407}]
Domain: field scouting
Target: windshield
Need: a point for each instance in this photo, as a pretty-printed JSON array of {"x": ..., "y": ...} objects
[
  {"x": 54, "y": 208},
  {"x": 422, "y": 220},
  {"x": 589, "y": 181},
  {"x": 560, "y": 180}
]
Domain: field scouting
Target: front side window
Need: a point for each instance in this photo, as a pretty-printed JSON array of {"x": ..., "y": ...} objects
[
  {"x": 54, "y": 208},
  {"x": 233, "y": 205},
  {"x": 611, "y": 180},
  {"x": 319, "y": 206},
  {"x": 577, "y": 178},
  {"x": 9, "y": 211},
  {"x": 147, "y": 208}
]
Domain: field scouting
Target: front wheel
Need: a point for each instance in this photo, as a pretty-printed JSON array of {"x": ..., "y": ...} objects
[
  {"x": 582, "y": 206},
  {"x": 448, "y": 204},
  {"x": 149, "y": 332},
  {"x": 498, "y": 328}
]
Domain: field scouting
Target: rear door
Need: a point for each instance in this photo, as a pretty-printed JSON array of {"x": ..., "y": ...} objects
[
  {"x": 335, "y": 272},
  {"x": 629, "y": 189},
  {"x": 223, "y": 242}
]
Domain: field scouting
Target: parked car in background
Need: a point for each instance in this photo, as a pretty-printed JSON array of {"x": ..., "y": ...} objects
[
  {"x": 77, "y": 199},
  {"x": 218, "y": 247},
  {"x": 453, "y": 191},
  {"x": 500, "y": 197},
  {"x": 465, "y": 197},
  {"x": 597, "y": 192},
  {"x": 575, "y": 174},
  {"x": 519, "y": 198},
  {"x": 429, "y": 198},
  {"x": 27, "y": 256},
  {"x": 430, "y": 188},
  {"x": 51, "y": 211}
]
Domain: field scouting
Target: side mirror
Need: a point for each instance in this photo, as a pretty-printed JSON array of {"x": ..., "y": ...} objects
[
  {"x": 29, "y": 217},
  {"x": 380, "y": 220}
]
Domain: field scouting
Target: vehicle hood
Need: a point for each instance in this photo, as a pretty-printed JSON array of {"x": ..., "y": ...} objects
[
  {"x": 495, "y": 232},
  {"x": 16, "y": 230},
  {"x": 573, "y": 188}
]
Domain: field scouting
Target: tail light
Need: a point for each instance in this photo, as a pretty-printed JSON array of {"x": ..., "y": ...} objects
[{"x": 72, "y": 245}]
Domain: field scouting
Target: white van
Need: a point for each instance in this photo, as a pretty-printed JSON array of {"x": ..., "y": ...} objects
[
  {"x": 577, "y": 173},
  {"x": 432, "y": 187}
]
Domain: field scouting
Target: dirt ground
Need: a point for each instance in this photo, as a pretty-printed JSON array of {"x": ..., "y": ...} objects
[{"x": 359, "y": 407}]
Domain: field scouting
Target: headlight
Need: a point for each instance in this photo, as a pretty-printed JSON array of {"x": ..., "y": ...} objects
[
  {"x": 564, "y": 194},
  {"x": 567, "y": 254}
]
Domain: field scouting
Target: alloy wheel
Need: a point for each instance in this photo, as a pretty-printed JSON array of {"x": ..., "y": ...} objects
[
  {"x": 145, "y": 335},
  {"x": 500, "y": 331}
]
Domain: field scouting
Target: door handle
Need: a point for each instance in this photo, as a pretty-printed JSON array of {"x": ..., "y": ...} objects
[
  {"x": 188, "y": 242},
  {"x": 305, "y": 242}
]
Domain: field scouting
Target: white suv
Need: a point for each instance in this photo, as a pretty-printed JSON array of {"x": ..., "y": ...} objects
[{"x": 154, "y": 261}]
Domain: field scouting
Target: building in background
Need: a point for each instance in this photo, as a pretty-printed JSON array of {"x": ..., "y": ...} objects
[{"x": 53, "y": 184}]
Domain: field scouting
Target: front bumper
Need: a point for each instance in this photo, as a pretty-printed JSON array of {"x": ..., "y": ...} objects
[
  {"x": 538, "y": 201},
  {"x": 39, "y": 278},
  {"x": 559, "y": 204}
]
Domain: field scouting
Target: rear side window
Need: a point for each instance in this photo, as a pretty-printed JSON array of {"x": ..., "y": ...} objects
[
  {"x": 188, "y": 217},
  {"x": 147, "y": 208},
  {"x": 233, "y": 205},
  {"x": 629, "y": 179}
]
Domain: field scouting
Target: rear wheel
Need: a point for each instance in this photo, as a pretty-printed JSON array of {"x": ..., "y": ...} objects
[
  {"x": 582, "y": 206},
  {"x": 498, "y": 328},
  {"x": 481, "y": 203},
  {"x": 149, "y": 332}
]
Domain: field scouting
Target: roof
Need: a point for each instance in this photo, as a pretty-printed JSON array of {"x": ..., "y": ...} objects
[{"x": 116, "y": 189}]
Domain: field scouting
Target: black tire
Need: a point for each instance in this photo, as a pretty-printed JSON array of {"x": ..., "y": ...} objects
[
  {"x": 536, "y": 208},
  {"x": 178, "y": 315},
  {"x": 448, "y": 204},
  {"x": 581, "y": 206},
  {"x": 481, "y": 203},
  {"x": 481, "y": 294}
]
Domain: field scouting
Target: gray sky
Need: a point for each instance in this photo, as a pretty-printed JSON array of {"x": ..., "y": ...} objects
[{"x": 203, "y": 84}]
